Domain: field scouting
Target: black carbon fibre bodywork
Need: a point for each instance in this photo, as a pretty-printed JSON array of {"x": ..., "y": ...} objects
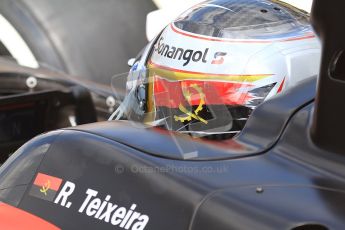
[{"x": 280, "y": 182}]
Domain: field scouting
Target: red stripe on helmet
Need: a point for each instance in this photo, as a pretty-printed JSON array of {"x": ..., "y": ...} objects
[
  {"x": 170, "y": 93},
  {"x": 281, "y": 86}
]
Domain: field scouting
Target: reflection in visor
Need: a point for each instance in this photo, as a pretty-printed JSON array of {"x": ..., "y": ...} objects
[
  {"x": 193, "y": 103},
  {"x": 202, "y": 104},
  {"x": 189, "y": 97},
  {"x": 230, "y": 89},
  {"x": 227, "y": 93}
]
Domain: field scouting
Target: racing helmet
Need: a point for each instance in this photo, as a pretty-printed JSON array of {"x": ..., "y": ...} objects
[{"x": 206, "y": 71}]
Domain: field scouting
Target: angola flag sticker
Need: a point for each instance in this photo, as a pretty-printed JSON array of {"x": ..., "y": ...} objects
[{"x": 45, "y": 187}]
